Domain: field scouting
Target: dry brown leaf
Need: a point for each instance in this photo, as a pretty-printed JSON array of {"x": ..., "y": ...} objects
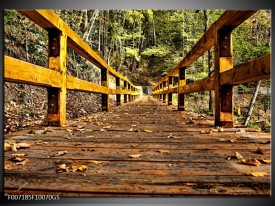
[
  {"x": 107, "y": 127},
  {"x": 163, "y": 151},
  {"x": 22, "y": 145},
  {"x": 265, "y": 161},
  {"x": 18, "y": 159},
  {"x": 148, "y": 131},
  {"x": 62, "y": 168},
  {"x": 13, "y": 147},
  {"x": 41, "y": 142},
  {"x": 256, "y": 174},
  {"x": 82, "y": 168},
  {"x": 59, "y": 153},
  {"x": 239, "y": 156},
  {"x": 135, "y": 156},
  {"x": 23, "y": 162},
  {"x": 7, "y": 147},
  {"x": 18, "y": 155},
  {"x": 251, "y": 161}
]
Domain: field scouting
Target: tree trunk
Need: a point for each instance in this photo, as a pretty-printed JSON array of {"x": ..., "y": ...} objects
[
  {"x": 90, "y": 25},
  {"x": 252, "y": 103}
]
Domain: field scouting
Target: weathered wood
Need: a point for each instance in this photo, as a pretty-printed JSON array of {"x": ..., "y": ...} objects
[
  {"x": 57, "y": 62},
  {"x": 182, "y": 163},
  {"x": 16, "y": 70},
  {"x": 182, "y": 82},
  {"x": 105, "y": 97},
  {"x": 170, "y": 86},
  {"x": 223, "y": 93},
  {"x": 247, "y": 72}
]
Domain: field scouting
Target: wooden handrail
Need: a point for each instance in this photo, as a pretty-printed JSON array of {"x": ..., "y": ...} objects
[
  {"x": 55, "y": 78},
  {"x": 225, "y": 75}
]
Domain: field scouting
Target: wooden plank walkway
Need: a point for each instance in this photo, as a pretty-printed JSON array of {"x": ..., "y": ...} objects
[{"x": 170, "y": 156}]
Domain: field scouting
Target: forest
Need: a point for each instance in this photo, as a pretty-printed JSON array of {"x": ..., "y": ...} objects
[{"x": 143, "y": 45}]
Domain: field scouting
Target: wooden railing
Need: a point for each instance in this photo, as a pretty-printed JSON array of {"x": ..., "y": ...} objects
[
  {"x": 55, "y": 78},
  {"x": 225, "y": 75}
]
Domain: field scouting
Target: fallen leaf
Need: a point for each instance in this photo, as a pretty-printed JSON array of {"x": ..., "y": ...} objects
[
  {"x": 23, "y": 162},
  {"x": 107, "y": 127},
  {"x": 82, "y": 168},
  {"x": 163, "y": 151},
  {"x": 222, "y": 140},
  {"x": 69, "y": 130},
  {"x": 251, "y": 161},
  {"x": 135, "y": 156},
  {"x": 59, "y": 153},
  {"x": 148, "y": 131},
  {"x": 134, "y": 145},
  {"x": 102, "y": 130},
  {"x": 18, "y": 155},
  {"x": 256, "y": 174},
  {"x": 13, "y": 147},
  {"x": 265, "y": 161},
  {"x": 80, "y": 127},
  {"x": 133, "y": 130},
  {"x": 41, "y": 142},
  {"x": 239, "y": 156},
  {"x": 7, "y": 147},
  {"x": 62, "y": 168},
  {"x": 17, "y": 159},
  {"x": 260, "y": 151},
  {"x": 22, "y": 145}
]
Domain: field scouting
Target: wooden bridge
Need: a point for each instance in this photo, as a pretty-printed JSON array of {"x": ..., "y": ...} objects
[{"x": 146, "y": 147}]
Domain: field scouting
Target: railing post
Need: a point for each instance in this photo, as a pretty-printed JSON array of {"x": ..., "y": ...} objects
[
  {"x": 118, "y": 96},
  {"x": 105, "y": 97},
  {"x": 125, "y": 88},
  {"x": 160, "y": 89},
  {"x": 223, "y": 94},
  {"x": 181, "y": 82},
  {"x": 170, "y": 86},
  {"x": 164, "y": 95},
  {"x": 129, "y": 95},
  {"x": 57, "y": 61}
]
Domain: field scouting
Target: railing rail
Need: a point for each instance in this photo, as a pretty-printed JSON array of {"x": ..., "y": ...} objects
[
  {"x": 225, "y": 75},
  {"x": 55, "y": 78}
]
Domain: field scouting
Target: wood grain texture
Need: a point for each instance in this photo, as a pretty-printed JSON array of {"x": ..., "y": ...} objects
[{"x": 176, "y": 159}]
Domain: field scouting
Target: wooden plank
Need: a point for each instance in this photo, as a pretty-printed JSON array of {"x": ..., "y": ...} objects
[
  {"x": 16, "y": 70},
  {"x": 230, "y": 18},
  {"x": 47, "y": 19},
  {"x": 77, "y": 84},
  {"x": 254, "y": 70},
  {"x": 206, "y": 84}
]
